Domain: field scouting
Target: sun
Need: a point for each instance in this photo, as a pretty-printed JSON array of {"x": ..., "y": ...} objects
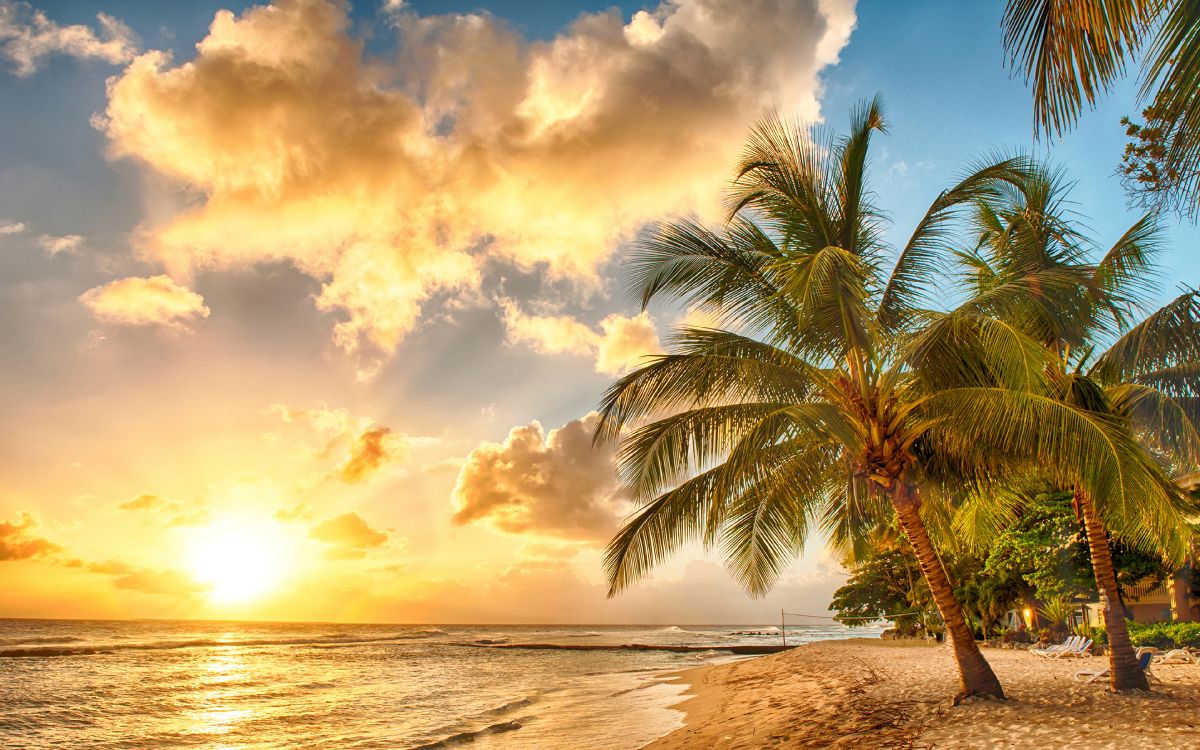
[{"x": 239, "y": 559}]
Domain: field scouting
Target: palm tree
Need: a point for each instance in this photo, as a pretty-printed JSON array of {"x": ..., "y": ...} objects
[
  {"x": 1148, "y": 379},
  {"x": 824, "y": 399},
  {"x": 1073, "y": 51}
]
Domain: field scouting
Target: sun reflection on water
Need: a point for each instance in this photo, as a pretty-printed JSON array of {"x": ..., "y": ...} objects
[{"x": 220, "y": 685}]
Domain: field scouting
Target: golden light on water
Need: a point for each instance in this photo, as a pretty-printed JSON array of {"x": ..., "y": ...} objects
[{"x": 240, "y": 560}]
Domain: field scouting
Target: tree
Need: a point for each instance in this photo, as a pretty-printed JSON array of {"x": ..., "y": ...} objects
[
  {"x": 886, "y": 584},
  {"x": 1146, "y": 383},
  {"x": 830, "y": 396},
  {"x": 1073, "y": 51}
]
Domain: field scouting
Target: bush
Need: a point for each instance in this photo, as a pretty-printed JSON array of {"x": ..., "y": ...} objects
[
  {"x": 1096, "y": 634},
  {"x": 1161, "y": 635}
]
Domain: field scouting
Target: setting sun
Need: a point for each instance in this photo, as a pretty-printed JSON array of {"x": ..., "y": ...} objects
[{"x": 239, "y": 560}]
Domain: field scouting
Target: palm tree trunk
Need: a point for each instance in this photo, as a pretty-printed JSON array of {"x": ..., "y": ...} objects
[
  {"x": 1123, "y": 663},
  {"x": 975, "y": 675}
]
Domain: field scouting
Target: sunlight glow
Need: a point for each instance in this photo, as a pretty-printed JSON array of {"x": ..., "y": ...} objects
[{"x": 240, "y": 559}]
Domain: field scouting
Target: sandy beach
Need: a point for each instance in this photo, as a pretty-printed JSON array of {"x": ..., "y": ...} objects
[{"x": 881, "y": 694}]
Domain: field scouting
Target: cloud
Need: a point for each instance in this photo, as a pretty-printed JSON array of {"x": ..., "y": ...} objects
[
  {"x": 17, "y": 544},
  {"x": 619, "y": 346},
  {"x": 181, "y": 515},
  {"x": 146, "y": 502},
  {"x": 52, "y": 245},
  {"x": 154, "y": 301},
  {"x": 166, "y": 582},
  {"x": 160, "y": 582},
  {"x": 394, "y": 180},
  {"x": 373, "y": 448},
  {"x": 298, "y": 512},
  {"x": 365, "y": 446},
  {"x": 27, "y": 36},
  {"x": 553, "y": 485},
  {"x": 11, "y": 227},
  {"x": 349, "y": 536}
]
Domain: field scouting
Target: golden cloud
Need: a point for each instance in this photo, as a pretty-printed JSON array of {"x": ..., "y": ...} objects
[
  {"x": 146, "y": 502},
  {"x": 366, "y": 446},
  {"x": 620, "y": 345},
  {"x": 154, "y": 301},
  {"x": 349, "y": 536},
  {"x": 394, "y": 180},
  {"x": 17, "y": 544},
  {"x": 554, "y": 485}
]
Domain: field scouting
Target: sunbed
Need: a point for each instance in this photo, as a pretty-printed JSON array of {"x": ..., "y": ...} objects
[
  {"x": 1176, "y": 656},
  {"x": 1091, "y": 675},
  {"x": 1056, "y": 648}
]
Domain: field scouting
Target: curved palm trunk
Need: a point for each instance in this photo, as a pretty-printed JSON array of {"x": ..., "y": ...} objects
[
  {"x": 1123, "y": 663},
  {"x": 975, "y": 675}
]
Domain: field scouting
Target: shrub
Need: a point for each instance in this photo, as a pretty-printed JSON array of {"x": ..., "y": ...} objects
[{"x": 1161, "y": 635}]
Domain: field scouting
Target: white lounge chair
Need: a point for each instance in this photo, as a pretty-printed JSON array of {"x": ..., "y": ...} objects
[
  {"x": 1176, "y": 656},
  {"x": 1074, "y": 646},
  {"x": 1056, "y": 648},
  {"x": 1091, "y": 675},
  {"x": 1080, "y": 649}
]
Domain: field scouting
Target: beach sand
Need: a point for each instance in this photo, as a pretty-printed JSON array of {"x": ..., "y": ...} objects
[{"x": 887, "y": 694}]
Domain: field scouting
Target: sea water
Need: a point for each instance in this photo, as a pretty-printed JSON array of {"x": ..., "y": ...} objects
[{"x": 183, "y": 684}]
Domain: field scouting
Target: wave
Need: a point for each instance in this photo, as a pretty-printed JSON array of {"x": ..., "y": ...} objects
[
  {"x": 769, "y": 630},
  {"x": 732, "y": 648},
  {"x": 108, "y": 648},
  {"x": 589, "y": 634},
  {"x": 463, "y": 738},
  {"x": 43, "y": 639},
  {"x": 519, "y": 703}
]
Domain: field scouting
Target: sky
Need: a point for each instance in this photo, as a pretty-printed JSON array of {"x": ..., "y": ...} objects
[{"x": 305, "y": 307}]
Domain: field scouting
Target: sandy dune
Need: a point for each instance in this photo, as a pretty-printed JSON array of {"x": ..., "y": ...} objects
[{"x": 879, "y": 694}]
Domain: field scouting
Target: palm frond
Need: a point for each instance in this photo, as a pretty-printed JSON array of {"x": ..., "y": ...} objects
[
  {"x": 1137, "y": 500},
  {"x": 1072, "y": 51},
  {"x": 710, "y": 367},
  {"x": 1167, "y": 338},
  {"x": 919, "y": 262}
]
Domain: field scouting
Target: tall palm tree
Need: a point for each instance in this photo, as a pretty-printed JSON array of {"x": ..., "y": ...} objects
[
  {"x": 1148, "y": 377},
  {"x": 1073, "y": 51},
  {"x": 824, "y": 398}
]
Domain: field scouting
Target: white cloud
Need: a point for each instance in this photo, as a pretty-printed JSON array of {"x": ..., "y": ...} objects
[
  {"x": 69, "y": 243},
  {"x": 619, "y": 346},
  {"x": 154, "y": 301},
  {"x": 11, "y": 227},
  {"x": 28, "y": 36},
  {"x": 393, "y": 182}
]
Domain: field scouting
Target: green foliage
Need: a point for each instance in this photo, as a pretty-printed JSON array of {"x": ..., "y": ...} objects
[
  {"x": 1057, "y": 611},
  {"x": 885, "y": 583},
  {"x": 1162, "y": 635},
  {"x": 1046, "y": 549}
]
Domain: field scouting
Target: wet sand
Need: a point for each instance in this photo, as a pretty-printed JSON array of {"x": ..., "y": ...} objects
[{"x": 886, "y": 694}]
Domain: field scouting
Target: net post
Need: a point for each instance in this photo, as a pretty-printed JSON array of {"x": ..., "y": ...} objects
[{"x": 783, "y": 628}]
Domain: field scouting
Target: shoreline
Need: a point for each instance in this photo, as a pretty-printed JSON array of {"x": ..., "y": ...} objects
[{"x": 867, "y": 693}]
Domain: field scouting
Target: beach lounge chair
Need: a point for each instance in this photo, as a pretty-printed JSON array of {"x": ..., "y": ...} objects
[
  {"x": 1056, "y": 648},
  {"x": 1080, "y": 649},
  {"x": 1091, "y": 675},
  {"x": 1176, "y": 656},
  {"x": 1077, "y": 646}
]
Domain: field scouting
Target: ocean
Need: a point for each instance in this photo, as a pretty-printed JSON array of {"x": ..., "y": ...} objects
[{"x": 199, "y": 684}]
